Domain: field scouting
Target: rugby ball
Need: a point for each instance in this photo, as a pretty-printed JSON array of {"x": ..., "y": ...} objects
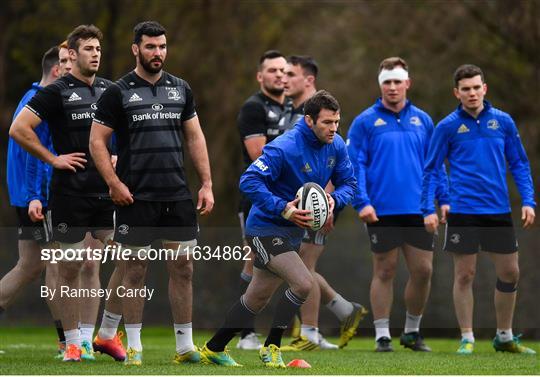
[{"x": 313, "y": 198}]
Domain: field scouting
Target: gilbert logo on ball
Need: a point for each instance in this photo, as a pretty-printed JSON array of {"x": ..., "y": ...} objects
[{"x": 313, "y": 198}]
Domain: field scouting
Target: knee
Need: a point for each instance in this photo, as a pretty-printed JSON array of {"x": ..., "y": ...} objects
[
  {"x": 509, "y": 275},
  {"x": 182, "y": 271},
  {"x": 134, "y": 274},
  {"x": 256, "y": 303},
  {"x": 386, "y": 272},
  {"x": 69, "y": 271},
  {"x": 90, "y": 268},
  {"x": 465, "y": 277},
  {"x": 303, "y": 286},
  {"x": 423, "y": 273},
  {"x": 30, "y": 271}
]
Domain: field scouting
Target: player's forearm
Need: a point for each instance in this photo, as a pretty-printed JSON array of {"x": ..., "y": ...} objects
[
  {"x": 102, "y": 159},
  {"x": 199, "y": 155}
]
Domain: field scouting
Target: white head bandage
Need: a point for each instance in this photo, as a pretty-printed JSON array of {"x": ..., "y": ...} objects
[{"x": 398, "y": 73}]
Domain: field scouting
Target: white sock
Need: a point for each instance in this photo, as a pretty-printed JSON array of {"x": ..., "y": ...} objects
[
  {"x": 109, "y": 325},
  {"x": 184, "y": 339},
  {"x": 87, "y": 332},
  {"x": 310, "y": 333},
  {"x": 412, "y": 323},
  {"x": 468, "y": 336},
  {"x": 505, "y": 335},
  {"x": 72, "y": 337},
  {"x": 133, "y": 332},
  {"x": 382, "y": 328},
  {"x": 340, "y": 307}
]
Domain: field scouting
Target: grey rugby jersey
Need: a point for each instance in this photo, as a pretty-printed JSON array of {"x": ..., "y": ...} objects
[
  {"x": 68, "y": 105},
  {"x": 147, "y": 120}
]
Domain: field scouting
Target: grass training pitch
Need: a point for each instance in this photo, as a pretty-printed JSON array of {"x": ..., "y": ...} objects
[{"x": 31, "y": 351}]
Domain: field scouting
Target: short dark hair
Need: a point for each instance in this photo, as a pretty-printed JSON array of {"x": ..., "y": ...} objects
[
  {"x": 148, "y": 28},
  {"x": 308, "y": 64},
  {"x": 393, "y": 62},
  {"x": 320, "y": 100},
  {"x": 49, "y": 60},
  {"x": 270, "y": 54},
  {"x": 83, "y": 32},
  {"x": 467, "y": 71}
]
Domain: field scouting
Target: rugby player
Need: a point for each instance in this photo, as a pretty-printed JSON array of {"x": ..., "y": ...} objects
[
  {"x": 149, "y": 110},
  {"x": 387, "y": 144},
  {"x": 479, "y": 141},
  {"x": 275, "y": 226}
]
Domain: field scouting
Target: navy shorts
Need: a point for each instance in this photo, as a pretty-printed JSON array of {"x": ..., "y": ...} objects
[{"x": 467, "y": 234}]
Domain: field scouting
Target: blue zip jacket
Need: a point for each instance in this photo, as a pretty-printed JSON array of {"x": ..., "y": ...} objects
[
  {"x": 478, "y": 150},
  {"x": 28, "y": 177},
  {"x": 295, "y": 158},
  {"x": 388, "y": 152}
]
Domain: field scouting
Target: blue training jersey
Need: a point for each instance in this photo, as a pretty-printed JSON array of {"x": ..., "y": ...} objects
[
  {"x": 295, "y": 158},
  {"x": 388, "y": 151},
  {"x": 28, "y": 177},
  {"x": 478, "y": 150}
]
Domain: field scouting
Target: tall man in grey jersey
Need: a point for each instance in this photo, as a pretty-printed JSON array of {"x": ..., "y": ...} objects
[{"x": 149, "y": 110}]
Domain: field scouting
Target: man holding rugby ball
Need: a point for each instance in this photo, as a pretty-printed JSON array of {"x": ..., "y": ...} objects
[{"x": 311, "y": 152}]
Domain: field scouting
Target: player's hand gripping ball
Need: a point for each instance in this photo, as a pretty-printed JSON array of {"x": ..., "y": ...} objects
[{"x": 313, "y": 198}]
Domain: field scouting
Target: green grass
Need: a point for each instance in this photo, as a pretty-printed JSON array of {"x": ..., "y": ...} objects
[{"x": 31, "y": 351}]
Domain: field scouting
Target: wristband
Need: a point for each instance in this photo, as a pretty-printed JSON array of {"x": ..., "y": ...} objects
[{"x": 288, "y": 213}]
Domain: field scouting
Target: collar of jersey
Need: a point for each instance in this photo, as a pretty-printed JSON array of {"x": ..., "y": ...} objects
[
  {"x": 308, "y": 134},
  {"x": 143, "y": 82},
  {"x": 463, "y": 114},
  {"x": 35, "y": 85},
  {"x": 380, "y": 107}
]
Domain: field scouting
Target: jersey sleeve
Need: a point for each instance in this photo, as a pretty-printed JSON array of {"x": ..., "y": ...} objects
[
  {"x": 343, "y": 177},
  {"x": 358, "y": 148},
  {"x": 109, "y": 108},
  {"x": 518, "y": 163},
  {"x": 46, "y": 103},
  {"x": 254, "y": 181},
  {"x": 36, "y": 170},
  {"x": 189, "y": 109},
  {"x": 252, "y": 120},
  {"x": 442, "y": 190},
  {"x": 437, "y": 152}
]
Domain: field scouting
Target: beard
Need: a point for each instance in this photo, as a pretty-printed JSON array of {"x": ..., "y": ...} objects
[
  {"x": 274, "y": 91},
  {"x": 147, "y": 64}
]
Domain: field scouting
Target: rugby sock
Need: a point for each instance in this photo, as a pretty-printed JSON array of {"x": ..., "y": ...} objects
[
  {"x": 412, "y": 323},
  {"x": 184, "y": 339},
  {"x": 59, "y": 330},
  {"x": 72, "y": 337},
  {"x": 340, "y": 307},
  {"x": 109, "y": 325},
  {"x": 286, "y": 308},
  {"x": 310, "y": 333},
  {"x": 382, "y": 328},
  {"x": 2, "y": 310},
  {"x": 468, "y": 336},
  {"x": 133, "y": 332},
  {"x": 235, "y": 320},
  {"x": 505, "y": 335},
  {"x": 87, "y": 332},
  {"x": 243, "y": 284}
]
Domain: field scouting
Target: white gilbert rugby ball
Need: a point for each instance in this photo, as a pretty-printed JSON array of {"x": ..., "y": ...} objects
[{"x": 313, "y": 198}]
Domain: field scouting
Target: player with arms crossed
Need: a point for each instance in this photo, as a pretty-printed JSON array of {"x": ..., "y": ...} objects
[{"x": 479, "y": 141}]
